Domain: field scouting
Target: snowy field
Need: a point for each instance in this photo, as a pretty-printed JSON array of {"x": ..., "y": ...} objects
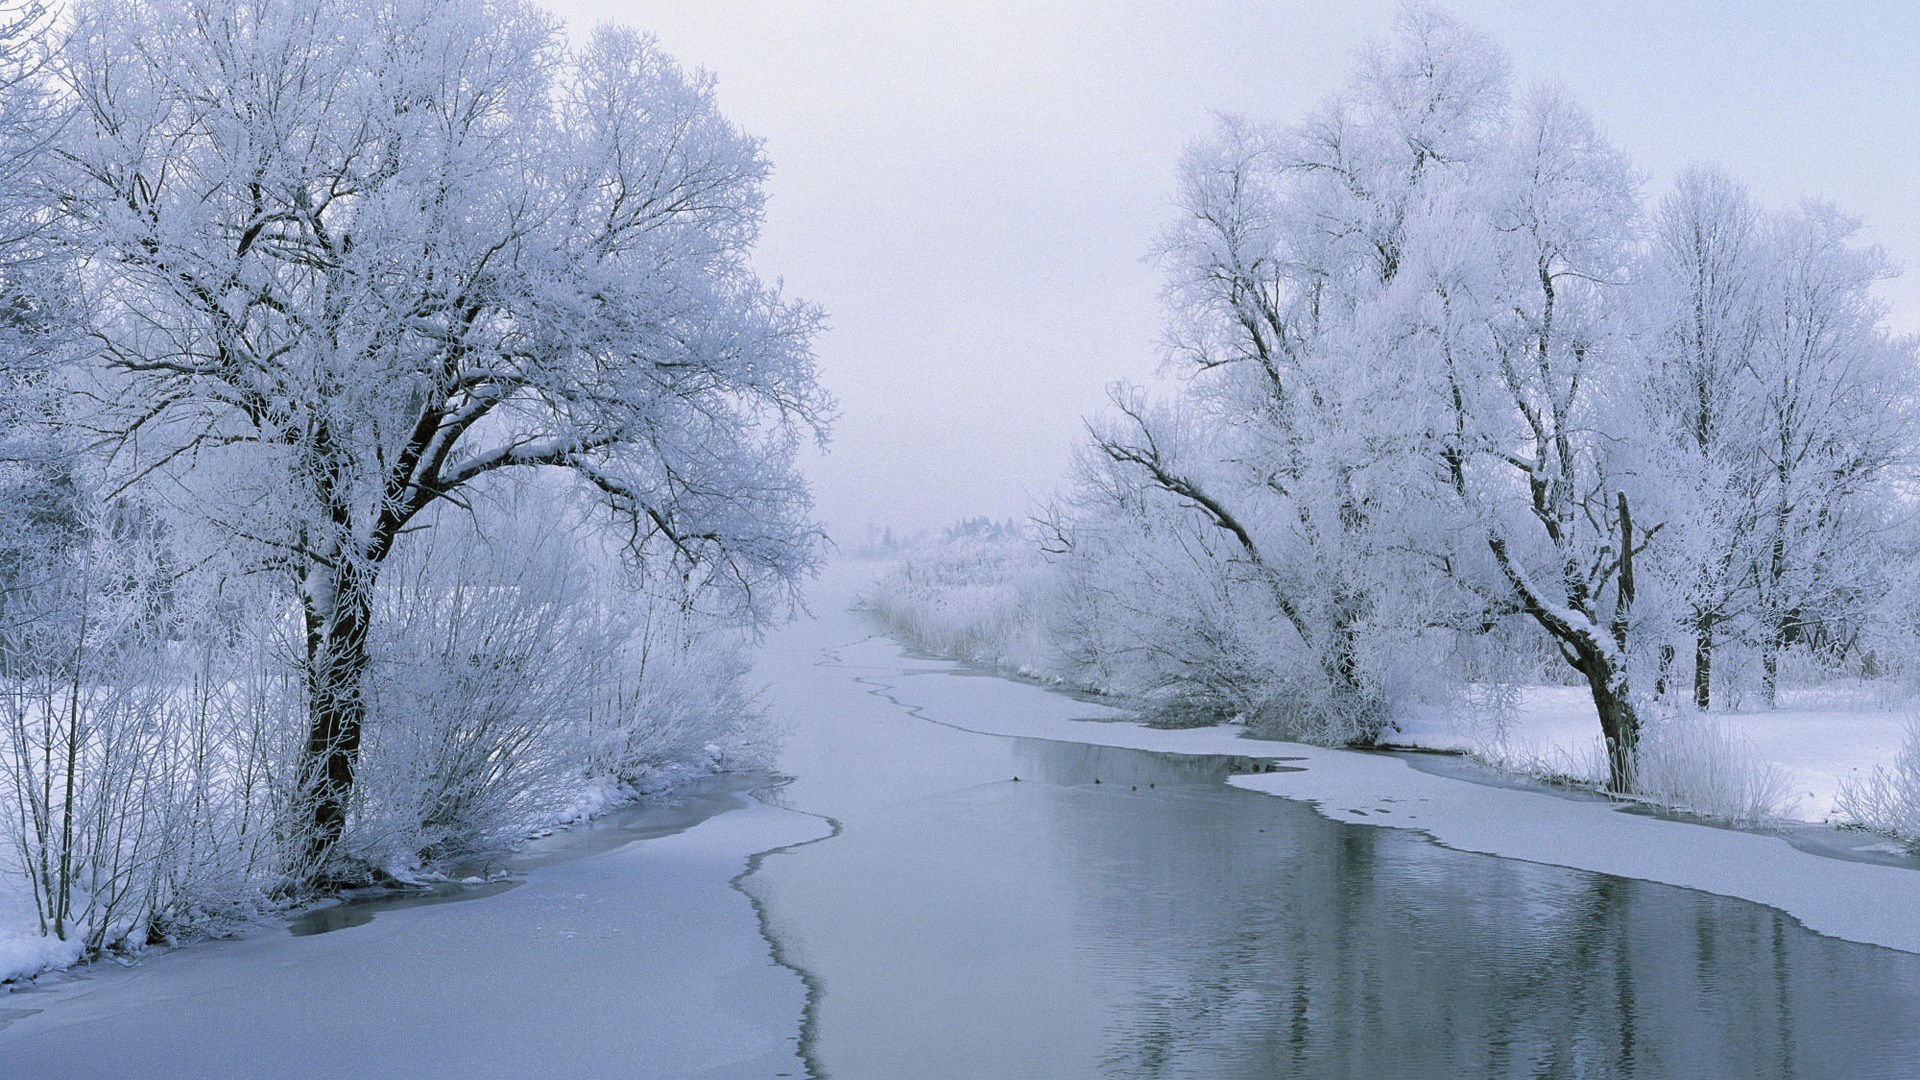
[{"x": 1817, "y": 740}]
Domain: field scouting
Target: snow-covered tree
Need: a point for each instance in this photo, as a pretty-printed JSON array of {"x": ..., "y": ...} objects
[
  {"x": 1288, "y": 248},
  {"x": 39, "y": 515},
  {"x": 30, "y": 118},
  {"x": 1526, "y": 280},
  {"x": 1446, "y": 388},
  {"x": 1699, "y": 291},
  {"x": 1439, "y": 372},
  {"x": 1788, "y": 405},
  {"x": 1835, "y": 415},
  {"x": 351, "y": 259}
]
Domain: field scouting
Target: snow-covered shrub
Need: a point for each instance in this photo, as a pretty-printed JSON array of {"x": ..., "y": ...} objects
[
  {"x": 1887, "y": 800},
  {"x": 1686, "y": 761},
  {"x": 674, "y": 696},
  {"x": 1465, "y": 682},
  {"x": 1704, "y": 765},
  {"x": 522, "y": 674},
  {"x": 1582, "y": 764},
  {"x": 81, "y": 757},
  {"x": 1148, "y": 616},
  {"x": 469, "y": 704},
  {"x": 1154, "y": 617},
  {"x": 1165, "y": 610},
  {"x": 235, "y": 713},
  {"x": 138, "y": 771},
  {"x": 76, "y": 748},
  {"x": 1301, "y": 706}
]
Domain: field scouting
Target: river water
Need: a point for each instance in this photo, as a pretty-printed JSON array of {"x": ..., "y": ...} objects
[{"x": 1005, "y": 907}]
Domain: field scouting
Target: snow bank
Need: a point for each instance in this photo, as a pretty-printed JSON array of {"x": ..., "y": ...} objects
[
  {"x": 24, "y": 955},
  {"x": 24, "y": 951}
]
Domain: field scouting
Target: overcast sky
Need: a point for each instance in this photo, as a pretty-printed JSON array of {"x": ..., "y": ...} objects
[{"x": 969, "y": 189}]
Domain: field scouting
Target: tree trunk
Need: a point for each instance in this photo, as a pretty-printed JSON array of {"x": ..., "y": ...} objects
[
  {"x": 1770, "y": 669},
  {"x": 1345, "y": 676},
  {"x": 1703, "y": 665},
  {"x": 1619, "y": 723},
  {"x": 337, "y": 662}
]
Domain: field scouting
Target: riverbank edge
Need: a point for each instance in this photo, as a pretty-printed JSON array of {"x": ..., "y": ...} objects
[
  {"x": 542, "y": 844},
  {"x": 1861, "y": 901}
]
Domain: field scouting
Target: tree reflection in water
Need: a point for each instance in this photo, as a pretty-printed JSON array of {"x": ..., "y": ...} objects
[
  {"x": 1247, "y": 936},
  {"x": 1160, "y": 923}
]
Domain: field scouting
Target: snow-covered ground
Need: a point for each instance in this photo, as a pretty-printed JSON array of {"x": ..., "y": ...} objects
[
  {"x": 1817, "y": 740},
  {"x": 25, "y": 952},
  {"x": 1856, "y": 901}
]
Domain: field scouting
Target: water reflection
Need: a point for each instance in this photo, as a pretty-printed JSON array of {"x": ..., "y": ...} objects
[
  {"x": 1070, "y": 764},
  {"x": 359, "y": 908},
  {"x": 1329, "y": 950},
  {"x": 1159, "y": 923}
]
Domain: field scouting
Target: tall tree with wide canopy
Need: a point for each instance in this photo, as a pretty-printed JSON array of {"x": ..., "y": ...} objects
[
  {"x": 1288, "y": 245},
  {"x": 1524, "y": 280},
  {"x": 351, "y": 258}
]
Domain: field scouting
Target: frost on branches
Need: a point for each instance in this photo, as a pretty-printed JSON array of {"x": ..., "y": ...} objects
[
  {"x": 1456, "y": 409},
  {"x": 350, "y": 261}
]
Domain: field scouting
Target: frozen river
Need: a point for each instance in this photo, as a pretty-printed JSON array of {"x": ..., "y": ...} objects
[{"x": 923, "y": 901}]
